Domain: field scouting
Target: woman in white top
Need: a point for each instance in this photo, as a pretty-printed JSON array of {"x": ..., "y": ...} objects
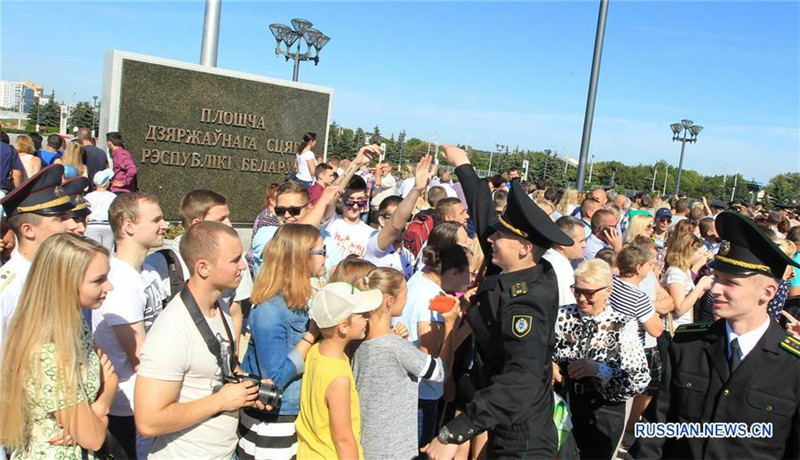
[
  {"x": 306, "y": 161},
  {"x": 687, "y": 254},
  {"x": 30, "y": 162}
]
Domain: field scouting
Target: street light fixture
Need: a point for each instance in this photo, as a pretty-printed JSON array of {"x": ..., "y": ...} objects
[
  {"x": 94, "y": 114},
  {"x": 685, "y": 131},
  {"x": 301, "y": 31}
]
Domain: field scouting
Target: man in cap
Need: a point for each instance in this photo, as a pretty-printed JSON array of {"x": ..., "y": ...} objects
[
  {"x": 741, "y": 368},
  {"x": 512, "y": 319},
  {"x": 35, "y": 210}
]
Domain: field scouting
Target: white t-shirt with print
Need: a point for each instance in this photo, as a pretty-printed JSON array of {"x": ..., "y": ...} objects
[
  {"x": 136, "y": 297},
  {"x": 350, "y": 238},
  {"x": 174, "y": 351}
]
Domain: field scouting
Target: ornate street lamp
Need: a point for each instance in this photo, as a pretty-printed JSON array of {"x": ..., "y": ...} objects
[
  {"x": 685, "y": 131},
  {"x": 300, "y": 32}
]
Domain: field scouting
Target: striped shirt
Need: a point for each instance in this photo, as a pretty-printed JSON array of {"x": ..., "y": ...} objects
[{"x": 629, "y": 300}]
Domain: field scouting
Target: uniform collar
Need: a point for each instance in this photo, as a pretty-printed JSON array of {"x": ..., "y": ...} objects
[
  {"x": 507, "y": 280},
  {"x": 748, "y": 340}
]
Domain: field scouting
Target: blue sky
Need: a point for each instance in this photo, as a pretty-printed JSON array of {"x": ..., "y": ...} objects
[{"x": 513, "y": 73}]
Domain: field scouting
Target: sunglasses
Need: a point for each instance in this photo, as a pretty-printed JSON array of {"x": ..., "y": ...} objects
[
  {"x": 588, "y": 293},
  {"x": 352, "y": 204},
  {"x": 319, "y": 252},
  {"x": 665, "y": 220},
  {"x": 293, "y": 211}
]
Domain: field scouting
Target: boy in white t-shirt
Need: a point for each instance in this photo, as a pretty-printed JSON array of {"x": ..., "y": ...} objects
[{"x": 348, "y": 230}]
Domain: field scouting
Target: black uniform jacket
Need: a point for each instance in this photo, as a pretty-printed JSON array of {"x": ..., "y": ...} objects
[
  {"x": 698, "y": 387},
  {"x": 512, "y": 319}
]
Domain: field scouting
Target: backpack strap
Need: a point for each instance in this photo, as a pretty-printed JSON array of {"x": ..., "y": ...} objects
[{"x": 176, "y": 275}]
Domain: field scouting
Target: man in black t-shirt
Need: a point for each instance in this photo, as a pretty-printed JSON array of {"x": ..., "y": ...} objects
[{"x": 96, "y": 160}]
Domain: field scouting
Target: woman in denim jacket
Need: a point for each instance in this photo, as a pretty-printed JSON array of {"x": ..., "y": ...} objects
[{"x": 280, "y": 337}]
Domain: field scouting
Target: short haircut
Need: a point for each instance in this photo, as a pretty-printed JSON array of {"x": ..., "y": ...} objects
[
  {"x": 594, "y": 270},
  {"x": 551, "y": 195},
  {"x": 115, "y": 138},
  {"x": 600, "y": 215},
  {"x": 497, "y": 181},
  {"x": 292, "y": 187},
  {"x": 500, "y": 199},
  {"x": 85, "y": 134},
  {"x": 586, "y": 205},
  {"x": 333, "y": 161},
  {"x": 36, "y": 138},
  {"x": 706, "y": 225},
  {"x": 567, "y": 224},
  {"x": 197, "y": 203},
  {"x": 697, "y": 213},
  {"x": 321, "y": 168},
  {"x": 54, "y": 141},
  {"x": 435, "y": 194},
  {"x": 16, "y": 221},
  {"x": 644, "y": 243},
  {"x": 541, "y": 184},
  {"x": 201, "y": 241},
  {"x": 392, "y": 200},
  {"x": 446, "y": 206},
  {"x": 631, "y": 257},
  {"x": 126, "y": 207},
  {"x": 681, "y": 205},
  {"x": 607, "y": 255}
]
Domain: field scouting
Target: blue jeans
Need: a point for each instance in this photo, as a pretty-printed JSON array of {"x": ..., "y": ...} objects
[
  {"x": 305, "y": 184},
  {"x": 427, "y": 418}
]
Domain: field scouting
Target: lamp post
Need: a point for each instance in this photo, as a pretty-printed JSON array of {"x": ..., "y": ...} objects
[
  {"x": 685, "y": 131},
  {"x": 94, "y": 114},
  {"x": 301, "y": 31}
]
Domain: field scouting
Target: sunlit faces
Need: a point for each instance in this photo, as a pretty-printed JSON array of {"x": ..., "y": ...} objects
[
  {"x": 460, "y": 214},
  {"x": 150, "y": 227},
  {"x": 357, "y": 327},
  {"x": 92, "y": 290},
  {"x": 226, "y": 272},
  {"x": 326, "y": 177},
  {"x": 219, "y": 213},
  {"x": 662, "y": 225},
  {"x": 507, "y": 249},
  {"x": 50, "y": 225},
  {"x": 737, "y": 296},
  {"x": 575, "y": 251},
  {"x": 353, "y": 205},
  {"x": 292, "y": 207},
  {"x": 316, "y": 260},
  {"x": 591, "y": 296},
  {"x": 397, "y": 304}
]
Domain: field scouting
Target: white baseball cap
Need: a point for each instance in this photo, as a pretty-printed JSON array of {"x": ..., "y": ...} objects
[
  {"x": 338, "y": 301},
  {"x": 102, "y": 178}
]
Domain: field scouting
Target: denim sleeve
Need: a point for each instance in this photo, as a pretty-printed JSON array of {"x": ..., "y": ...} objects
[{"x": 270, "y": 334}]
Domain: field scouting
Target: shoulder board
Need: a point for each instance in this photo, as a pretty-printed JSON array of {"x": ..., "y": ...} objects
[
  {"x": 792, "y": 345},
  {"x": 694, "y": 327},
  {"x": 5, "y": 277},
  {"x": 519, "y": 289}
]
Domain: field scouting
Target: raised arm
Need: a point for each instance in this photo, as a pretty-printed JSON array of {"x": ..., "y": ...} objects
[{"x": 400, "y": 216}]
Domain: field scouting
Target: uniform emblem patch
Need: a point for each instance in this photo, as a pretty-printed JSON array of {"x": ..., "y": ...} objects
[
  {"x": 519, "y": 289},
  {"x": 521, "y": 325},
  {"x": 724, "y": 248}
]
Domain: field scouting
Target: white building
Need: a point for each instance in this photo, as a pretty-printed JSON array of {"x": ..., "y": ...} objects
[{"x": 14, "y": 93}]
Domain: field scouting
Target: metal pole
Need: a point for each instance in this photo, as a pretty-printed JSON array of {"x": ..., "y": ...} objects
[
  {"x": 680, "y": 166},
  {"x": 590, "y": 99},
  {"x": 591, "y": 170},
  {"x": 489, "y": 173},
  {"x": 666, "y": 174},
  {"x": 94, "y": 114},
  {"x": 655, "y": 170},
  {"x": 735, "y": 181},
  {"x": 208, "y": 51},
  {"x": 296, "y": 72}
]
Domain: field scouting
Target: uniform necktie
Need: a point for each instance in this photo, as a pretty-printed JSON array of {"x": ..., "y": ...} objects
[{"x": 735, "y": 359}]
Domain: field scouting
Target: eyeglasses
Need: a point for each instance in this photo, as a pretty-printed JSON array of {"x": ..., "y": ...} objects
[
  {"x": 588, "y": 293},
  {"x": 665, "y": 220},
  {"x": 319, "y": 252},
  {"x": 293, "y": 211},
  {"x": 352, "y": 204}
]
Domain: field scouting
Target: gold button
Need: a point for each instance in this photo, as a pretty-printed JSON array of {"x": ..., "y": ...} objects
[
  {"x": 460, "y": 438},
  {"x": 726, "y": 392},
  {"x": 689, "y": 385},
  {"x": 769, "y": 408}
]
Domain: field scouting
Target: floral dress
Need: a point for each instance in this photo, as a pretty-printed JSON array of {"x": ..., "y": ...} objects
[{"x": 44, "y": 400}]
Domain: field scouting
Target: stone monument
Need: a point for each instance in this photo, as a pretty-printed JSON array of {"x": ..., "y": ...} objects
[{"x": 189, "y": 126}]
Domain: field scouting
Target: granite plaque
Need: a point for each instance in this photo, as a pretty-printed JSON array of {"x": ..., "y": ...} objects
[{"x": 190, "y": 126}]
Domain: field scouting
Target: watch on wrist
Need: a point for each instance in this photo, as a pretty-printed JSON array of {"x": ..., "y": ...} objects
[{"x": 445, "y": 437}]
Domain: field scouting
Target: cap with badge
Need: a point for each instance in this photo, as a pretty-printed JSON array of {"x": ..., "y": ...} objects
[
  {"x": 745, "y": 250},
  {"x": 41, "y": 194},
  {"x": 338, "y": 301},
  {"x": 75, "y": 189},
  {"x": 717, "y": 204},
  {"x": 523, "y": 218}
]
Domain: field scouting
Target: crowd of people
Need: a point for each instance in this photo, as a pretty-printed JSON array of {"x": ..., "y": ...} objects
[{"x": 375, "y": 316}]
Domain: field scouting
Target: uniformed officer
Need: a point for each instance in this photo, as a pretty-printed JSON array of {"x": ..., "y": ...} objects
[
  {"x": 75, "y": 188},
  {"x": 741, "y": 368},
  {"x": 513, "y": 327},
  {"x": 35, "y": 210}
]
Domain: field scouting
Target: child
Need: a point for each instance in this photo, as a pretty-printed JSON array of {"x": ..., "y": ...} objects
[
  {"x": 388, "y": 369},
  {"x": 100, "y": 201},
  {"x": 329, "y": 424}
]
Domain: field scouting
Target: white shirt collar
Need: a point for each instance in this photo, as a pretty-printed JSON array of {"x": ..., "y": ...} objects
[{"x": 748, "y": 340}]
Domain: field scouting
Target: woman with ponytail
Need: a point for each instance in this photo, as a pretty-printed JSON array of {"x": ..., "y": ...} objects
[{"x": 306, "y": 161}]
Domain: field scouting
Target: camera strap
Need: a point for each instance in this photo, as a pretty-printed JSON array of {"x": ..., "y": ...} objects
[{"x": 205, "y": 330}]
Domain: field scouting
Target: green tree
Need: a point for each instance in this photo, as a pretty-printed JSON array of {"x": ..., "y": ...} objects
[
  {"x": 375, "y": 137},
  {"x": 783, "y": 188},
  {"x": 48, "y": 114},
  {"x": 83, "y": 116},
  {"x": 360, "y": 137}
]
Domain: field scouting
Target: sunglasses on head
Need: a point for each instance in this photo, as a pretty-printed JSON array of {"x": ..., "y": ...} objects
[{"x": 293, "y": 211}]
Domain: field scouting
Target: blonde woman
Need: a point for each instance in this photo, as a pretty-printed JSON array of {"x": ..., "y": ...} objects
[
  {"x": 687, "y": 254},
  {"x": 55, "y": 388},
  {"x": 30, "y": 162},
  {"x": 640, "y": 224},
  {"x": 73, "y": 156},
  {"x": 569, "y": 201},
  {"x": 281, "y": 336}
]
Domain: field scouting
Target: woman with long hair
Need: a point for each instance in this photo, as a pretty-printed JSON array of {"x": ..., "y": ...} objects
[
  {"x": 30, "y": 162},
  {"x": 280, "y": 337},
  {"x": 569, "y": 201},
  {"x": 55, "y": 387},
  {"x": 73, "y": 157},
  {"x": 306, "y": 161},
  {"x": 640, "y": 224},
  {"x": 686, "y": 254}
]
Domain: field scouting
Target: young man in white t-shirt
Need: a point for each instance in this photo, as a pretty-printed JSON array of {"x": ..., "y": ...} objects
[
  {"x": 385, "y": 247},
  {"x": 348, "y": 230},
  {"x": 120, "y": 324},
  {"x": 181, "y": 396}
]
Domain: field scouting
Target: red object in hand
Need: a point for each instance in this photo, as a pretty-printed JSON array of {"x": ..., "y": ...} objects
[{"x": 442, "y": 303}]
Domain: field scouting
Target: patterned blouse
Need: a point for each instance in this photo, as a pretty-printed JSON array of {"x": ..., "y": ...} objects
[
  {"x": 45, "y": 400},
  {"x": 612, "y": 340}
]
